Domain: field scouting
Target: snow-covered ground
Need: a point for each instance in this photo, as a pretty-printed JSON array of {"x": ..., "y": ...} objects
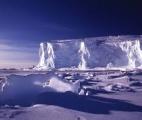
[
  {"x": 62, "y": 95},
  {"x": 124, "y": 106}
]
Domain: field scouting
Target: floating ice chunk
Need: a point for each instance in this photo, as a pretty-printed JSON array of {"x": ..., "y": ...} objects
[
  {"x": 108, "y": 88},
  {"x": 117, "y": 87},
  {"x": 82, "y": 92},
  {"x": 63, "y": 86}
]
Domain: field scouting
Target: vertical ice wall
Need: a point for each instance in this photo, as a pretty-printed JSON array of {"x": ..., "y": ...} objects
[
  {"x": 133, "y": 52},
  {"x": 50, "y": 56},
  {"x": 42, "y": 61},
  {"x": 83, "y": 52},
  {"x": 46, "y": 57}
]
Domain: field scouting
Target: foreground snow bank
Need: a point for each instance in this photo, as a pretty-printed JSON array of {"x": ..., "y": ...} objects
[{"x": 18, "y": 87}]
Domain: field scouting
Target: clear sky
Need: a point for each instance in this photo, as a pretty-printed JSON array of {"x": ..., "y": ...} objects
[{"x": 26, "y": 23}]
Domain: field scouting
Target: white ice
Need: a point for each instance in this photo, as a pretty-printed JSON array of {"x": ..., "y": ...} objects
[{"x": 83, "y": 51}]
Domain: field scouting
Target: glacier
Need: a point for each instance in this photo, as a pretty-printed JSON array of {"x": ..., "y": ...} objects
[{"x": 90, "y": 53}]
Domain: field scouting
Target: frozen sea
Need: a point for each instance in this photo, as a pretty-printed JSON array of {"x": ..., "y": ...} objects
[{"x": 71, "y": 95}]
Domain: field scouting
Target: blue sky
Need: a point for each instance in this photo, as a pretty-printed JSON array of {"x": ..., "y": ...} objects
[
  {"x": 26, "y": 23},
  {"x": 17, "y": 55}
]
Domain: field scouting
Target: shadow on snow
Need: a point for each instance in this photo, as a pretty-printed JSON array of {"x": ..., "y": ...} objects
[{"x": 90, "y": 104}]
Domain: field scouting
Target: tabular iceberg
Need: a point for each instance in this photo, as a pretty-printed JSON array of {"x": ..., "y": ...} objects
[{"x": 90, "y": 53}]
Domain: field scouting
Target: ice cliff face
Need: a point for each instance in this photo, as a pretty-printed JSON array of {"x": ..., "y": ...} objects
[{"x": 89, "y": 53}]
